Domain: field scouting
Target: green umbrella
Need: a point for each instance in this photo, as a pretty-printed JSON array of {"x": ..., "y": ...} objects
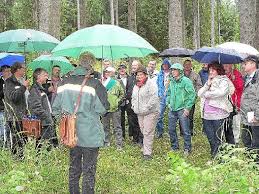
[
  {"x": 26, "y": 40},
  {"x": 47, "y": 62},
  {"x": 104, "y": 41}
]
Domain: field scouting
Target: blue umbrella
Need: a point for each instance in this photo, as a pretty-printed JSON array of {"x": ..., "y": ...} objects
[
  {"x": 220, "y": 55},
  {"x": 10, "y": 58}
]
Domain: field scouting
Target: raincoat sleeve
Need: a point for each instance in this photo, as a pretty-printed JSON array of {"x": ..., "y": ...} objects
[
  {"x": 13, "y": 92},
  {"x": 191, "y": 95},
  {"x": 98, "y": 106},
  {"x": 153, "y": 97},
  {"x": 204, "y": 89},
  {"x": 168, "y": 95}
]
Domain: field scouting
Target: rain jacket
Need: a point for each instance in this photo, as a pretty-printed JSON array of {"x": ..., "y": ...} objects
[
  {"x": 250, "y": 100},
  {"x": 181, "y": 94},
  {"x": 218, "y": 94},
  {"x": 145, "y": 99},
  {"x": 93, "y": 104},
  {"x": 237, "y": 79},
  {"x": 116, "y": 94},
  {"x": 160, "y": 80}
]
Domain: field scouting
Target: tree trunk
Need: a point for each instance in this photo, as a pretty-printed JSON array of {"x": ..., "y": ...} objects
[
  {"x": 175, "y": 18},
  {"x": 132, "y": 21},
  {"x": 247, "y": 10},
  {"x": 256, "y": 38},
  {"x": 183, "y": 2},
  {"x": 196, "y": 24},
  {"x": 112, "y": 11},
  {"x": 116, "y": 5},
  {"x": 83, "y": 20},
  {"x": 212, "y": 33},
  {"x": 49, "y": 17},
  {"x": 35, "y": 13}
]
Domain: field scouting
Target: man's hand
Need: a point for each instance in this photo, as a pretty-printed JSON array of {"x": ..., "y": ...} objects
[
  {"x": 186, "y": 112},
  {"x": 51, "y": 89}
]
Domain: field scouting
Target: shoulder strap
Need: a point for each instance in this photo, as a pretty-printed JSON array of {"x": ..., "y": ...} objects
[
  {"x": 110, "y": 85},
  {"x": 80, "y": 94}
]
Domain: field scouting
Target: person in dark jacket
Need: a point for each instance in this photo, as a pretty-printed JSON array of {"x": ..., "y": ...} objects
[
  {"x": 16, "y": 107},
  {"x": 134, "y": 129},
  {"x": 39, "y": 105},
  {"x": 89, "y": 129},
  {"x": 6, "y": 73},
  {"x": 123, "y": 77}
]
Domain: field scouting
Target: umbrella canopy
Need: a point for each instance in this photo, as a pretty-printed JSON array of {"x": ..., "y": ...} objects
[
  {"x": 243, "y": 49},
  {"x": 26, "y": 40},
  {"x": 220, "y": 55},
  {"x": 104, "y": 41},
  {"x": 47, "y": 62},
  {"x": 10, "y": 58},
  {"x": 176, "y": 52}
]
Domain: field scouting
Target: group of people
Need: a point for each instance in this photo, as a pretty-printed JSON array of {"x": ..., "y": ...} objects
[{"x": 229, "y": 101}]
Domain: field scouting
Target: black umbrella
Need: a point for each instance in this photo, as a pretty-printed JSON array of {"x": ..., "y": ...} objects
[{"x": 176, "y": 52}]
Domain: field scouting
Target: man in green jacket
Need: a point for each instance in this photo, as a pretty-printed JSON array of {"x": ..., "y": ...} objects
[
  {"x": 89, "y": 129},
  {"x": 115, "y": 96},
  {"x": 180, "y": 99}
]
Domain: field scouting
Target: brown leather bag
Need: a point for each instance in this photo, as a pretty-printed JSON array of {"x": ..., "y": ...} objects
[
  {"x": 31, "y": 127},
  {"x": 67, "y": 125}
]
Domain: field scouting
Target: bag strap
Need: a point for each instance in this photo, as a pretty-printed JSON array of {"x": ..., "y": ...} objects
[{"x": 80, "y": 94}]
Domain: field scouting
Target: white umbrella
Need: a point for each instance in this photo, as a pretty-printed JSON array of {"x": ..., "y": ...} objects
[{"x": 243, "y": 49}]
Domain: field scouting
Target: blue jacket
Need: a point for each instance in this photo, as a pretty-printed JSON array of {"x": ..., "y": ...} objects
[
  {"x": 204, "y": 76},
  {"x": 160, "y": 79}
]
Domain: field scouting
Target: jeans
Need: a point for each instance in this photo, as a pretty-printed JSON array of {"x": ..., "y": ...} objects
[
  {"x": 191, "y": 114},
  {"x": 83, "y": 160},
  {"x": 228, "y": 130},
  {"x": 123, "y": 115},
  {"x": 214, "y": 130},
  {"x": 173, "y": 117},
  {"x": 2, "y": 127},
  {"x": 160, "y": 123}
]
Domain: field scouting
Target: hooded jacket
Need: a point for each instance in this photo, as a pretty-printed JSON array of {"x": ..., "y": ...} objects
[
  {"x": 160, "y": 79},
  {"x": 181, "y": 94},
  {"x": 218, "y": 94},
  {"x": 93, "y": 104}
]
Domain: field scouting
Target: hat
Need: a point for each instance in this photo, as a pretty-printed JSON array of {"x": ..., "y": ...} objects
[
  {"x": 177, "y": 66},
  {"x": 142, "y": 69},
  {"x": 253, "y": 58},
  {"x": 110, "y": 69},
  {"x": 122, "y": 66}
]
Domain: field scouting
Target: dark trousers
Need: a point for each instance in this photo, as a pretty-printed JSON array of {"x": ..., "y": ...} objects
[
  {"x": 83, "y": 161},
  {"x": 250, "y": 137},
  {"x": 15, "y": 137},
  {"x": 191, "y": 115},
  {"x": 47, "y": 134},
  {"x": 123, "y": 115},
  {"x": 133, "y": 125},
  {"x": 228, "y": 129},
  {"x": 213, "y": 130}
]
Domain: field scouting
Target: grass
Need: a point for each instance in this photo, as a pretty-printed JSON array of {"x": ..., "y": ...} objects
[{"x": 126, "y": 172}]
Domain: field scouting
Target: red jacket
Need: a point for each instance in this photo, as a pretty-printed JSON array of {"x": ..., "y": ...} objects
[{"x": 236, "y": 77}]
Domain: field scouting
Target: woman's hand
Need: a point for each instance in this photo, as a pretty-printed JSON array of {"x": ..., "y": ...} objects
[{"x": 209, "y": 82}]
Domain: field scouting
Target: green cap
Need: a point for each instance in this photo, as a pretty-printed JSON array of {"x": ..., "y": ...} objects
[{"x": 177, "y": 66}]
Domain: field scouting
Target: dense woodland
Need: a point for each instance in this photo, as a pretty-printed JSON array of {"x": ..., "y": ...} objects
[{"x": 164, "y": 23}]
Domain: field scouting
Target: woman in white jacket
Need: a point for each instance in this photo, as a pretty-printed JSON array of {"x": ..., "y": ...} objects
[
  {"x": 145, "y": 103},
  {"x": 215, "y": 105}
]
